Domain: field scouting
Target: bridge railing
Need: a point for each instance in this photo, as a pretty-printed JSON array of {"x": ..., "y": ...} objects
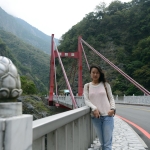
[
  {"x": 71, "y": 130},
  {"x": 66, "y": 100},
  {"x": 141, "y": 100},
  {"x": 80, "y": 101}
]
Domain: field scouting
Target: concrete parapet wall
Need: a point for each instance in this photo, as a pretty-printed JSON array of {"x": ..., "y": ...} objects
[
  {"x": 140, "y": 100},
  {"x": 64, "y": 131}
]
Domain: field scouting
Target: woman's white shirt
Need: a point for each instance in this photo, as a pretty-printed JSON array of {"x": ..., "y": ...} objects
[{"x": 95, "y": 97}]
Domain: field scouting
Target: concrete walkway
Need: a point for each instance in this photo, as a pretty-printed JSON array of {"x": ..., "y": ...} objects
[{"x": 124, "y": 138}]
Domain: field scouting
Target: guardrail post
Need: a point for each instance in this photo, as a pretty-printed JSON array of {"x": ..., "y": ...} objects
[{"x": 15, "y": 128}]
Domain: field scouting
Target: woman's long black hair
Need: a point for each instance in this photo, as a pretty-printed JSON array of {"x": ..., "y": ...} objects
[{"x": 102, "y": 75}]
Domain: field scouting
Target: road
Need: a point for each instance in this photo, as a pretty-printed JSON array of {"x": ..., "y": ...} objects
[{"x": 139, "y": 115}]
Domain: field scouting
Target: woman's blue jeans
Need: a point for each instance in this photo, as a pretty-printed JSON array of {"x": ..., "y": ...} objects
[{"x": 104, "y": 128}]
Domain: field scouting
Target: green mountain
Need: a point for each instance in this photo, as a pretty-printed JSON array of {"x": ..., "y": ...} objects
[
  {"x": 25, "y": 31},
  {"x": 32, "y": 63},
  {"x": 120, "y": 32}
]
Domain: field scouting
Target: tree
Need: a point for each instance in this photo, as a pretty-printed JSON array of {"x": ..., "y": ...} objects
[
  {"x": 101, "y": 7},
  {"x": 115, "y": 6},
  {"x": 28, "y": 85}
]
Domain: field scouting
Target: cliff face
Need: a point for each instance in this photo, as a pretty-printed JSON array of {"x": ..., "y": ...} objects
[{"x": 37, "y": 106}]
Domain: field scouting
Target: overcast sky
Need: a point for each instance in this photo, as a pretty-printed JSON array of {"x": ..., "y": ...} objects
[{"x": 51, "y": 16}]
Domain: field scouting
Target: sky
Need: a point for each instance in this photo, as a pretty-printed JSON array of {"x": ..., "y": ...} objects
[{"x": 51, "y": 16}]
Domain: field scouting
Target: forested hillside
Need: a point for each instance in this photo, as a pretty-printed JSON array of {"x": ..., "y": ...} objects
[
  {"x": 120, "y": 32},
  {"x": 25, "y": 31},
  {"x": 32, "y": 63}
]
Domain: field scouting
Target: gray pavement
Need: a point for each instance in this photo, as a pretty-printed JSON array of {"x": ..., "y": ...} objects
[{"x": 124, "y": 138}]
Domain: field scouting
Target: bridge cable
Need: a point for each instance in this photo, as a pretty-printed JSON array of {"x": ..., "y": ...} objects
[
  {"x": 85, "y": 56},
  {"x": 119, "y": 70},
  {"x": 55, "y": 80},
  {"x": 67, "y": 82}
]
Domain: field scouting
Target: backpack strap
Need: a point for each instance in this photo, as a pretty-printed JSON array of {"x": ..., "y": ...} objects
[
  {"x": 88, "y": 87},
  {"x": 106, "y": 91},
  {"x": 108, "y": 97}
]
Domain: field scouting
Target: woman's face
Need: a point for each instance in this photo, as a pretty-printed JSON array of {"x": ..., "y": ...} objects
[{"x": 95, "y": 75}]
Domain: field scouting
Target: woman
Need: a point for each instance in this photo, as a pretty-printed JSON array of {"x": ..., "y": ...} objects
[{"x": 99, "y": 98}]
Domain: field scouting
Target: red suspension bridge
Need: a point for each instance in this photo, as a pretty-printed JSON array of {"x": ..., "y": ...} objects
[
  {"x": 78, "y": 55},
  {"x": 71, "y": 130}
]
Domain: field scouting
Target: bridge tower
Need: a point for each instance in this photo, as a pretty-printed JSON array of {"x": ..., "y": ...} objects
[{"x": 75, "y": 55}]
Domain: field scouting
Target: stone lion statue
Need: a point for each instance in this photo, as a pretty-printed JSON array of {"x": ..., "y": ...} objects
[{"x": 10, "y": 85}]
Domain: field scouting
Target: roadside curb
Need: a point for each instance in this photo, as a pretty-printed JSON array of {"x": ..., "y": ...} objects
[{"x": 133, "y": 104}]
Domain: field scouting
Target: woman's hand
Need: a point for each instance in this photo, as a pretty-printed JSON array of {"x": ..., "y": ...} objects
[
  {"x": 111, "y": 113},
  {"x": 96, "y": 113}
]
